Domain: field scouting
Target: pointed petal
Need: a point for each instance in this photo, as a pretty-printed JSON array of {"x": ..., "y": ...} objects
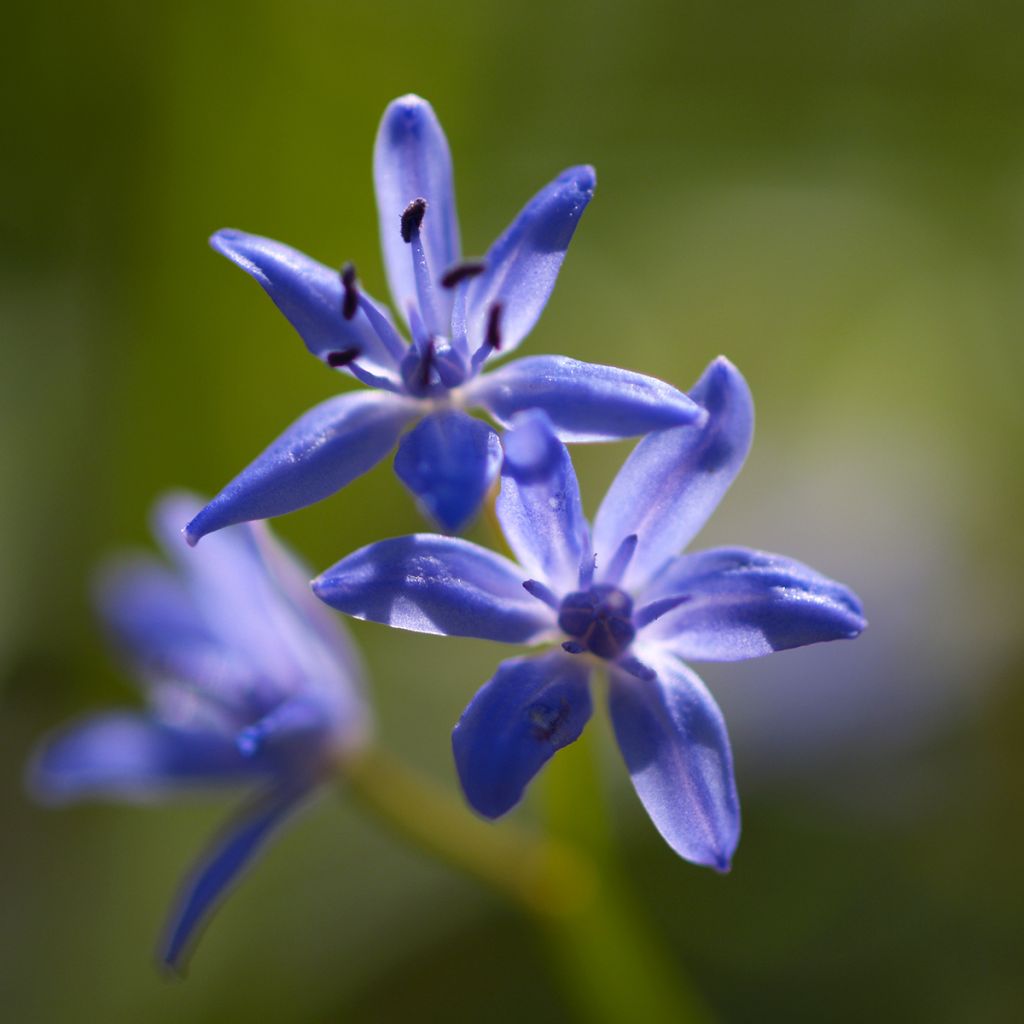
[
  {"x": 515, "y": 723},
  {"x": 449, "y": 461},
  {"x": 219, "y": 868},
  {"x": 309, "y": 294},
  {"x": 523, "y": 264},
  {"x": 673, "y": 740},
  {"x": 154, "y": 621},
  {"x": 122, "y": 755},
  {"x": 316, "y": 456},
  {"x": 585, "y": 401},
  {"x": 743, "y": 603},
  {"x": 433, "y": 584},
  {"x": 674, "y": 480},
  {"x": 411, "y": 161},
  {"x": 539, "y": 504}
]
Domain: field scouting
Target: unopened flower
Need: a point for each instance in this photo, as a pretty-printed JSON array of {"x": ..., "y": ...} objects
[
  {"x": 620, "y": 596},
  {"x": 249, "y": 682},
  {"x": 461, "y": 316}
]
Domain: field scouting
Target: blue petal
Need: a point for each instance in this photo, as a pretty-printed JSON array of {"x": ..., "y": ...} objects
[
  {"x": 523, "y": 263},
  {"x": 433, "y": 584},
  {"x": 126, "y": 756},
  {"x": 673, "y": 739},
  {"x": 531, "y": 708},
  {"x": 309, "y": 294},
  {"x": 742, "y": 604},
  {"x": 585, "y": 401},
  {"x": 219, "y": 867},
  {"x": 156, "y": 623},
  {"x": 411, "y": 161},
  {"x": 539, "y": 505},
  {"x": 674, "y": 479},
  {"x": 316, "y": 456},
  {"x": 449, "y": 461}
]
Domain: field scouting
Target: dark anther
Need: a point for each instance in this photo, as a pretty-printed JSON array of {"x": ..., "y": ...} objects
[
  {"x": 350, "y": 300},
  {"x": 342, "y": 357},
  {"x": 412, "y": 218},
  {"x": 573, "y": 647},
  {"x": 460, "y": 272},
  {"x": 492, "y": 338}
]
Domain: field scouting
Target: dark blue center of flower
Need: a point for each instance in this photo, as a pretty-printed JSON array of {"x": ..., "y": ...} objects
[{"x": 599, "y": 620}]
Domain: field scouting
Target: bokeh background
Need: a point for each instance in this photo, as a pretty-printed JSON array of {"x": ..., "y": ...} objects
[{"x": 832, "y": 195}]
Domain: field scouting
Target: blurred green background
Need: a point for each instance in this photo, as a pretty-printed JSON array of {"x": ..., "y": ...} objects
[{"x": 832, "y": 195}]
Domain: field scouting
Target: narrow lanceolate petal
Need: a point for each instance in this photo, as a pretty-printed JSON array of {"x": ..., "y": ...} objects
[
  {"x": 742, "y": 604},
  {"x": 310, "y": 296},
  {"x": 673, "y": 740},
  {"x": 319, "y": 454},
  {"x": 219, "y": 868},
  {"x": 539, "y": 505},
  {"x": 125, "y": 756},
  {"x": 585, "y": 401},
  {"x": 531, "y": 708},
  {"x": 411, "y": 161},
  {"x": 449, "y": 461},
  {"x": 674, "y": 479},
  {"x": 523, "y": 263},
  {"x": 433, "y": 584},
  {"x": 154, "y": 622}
]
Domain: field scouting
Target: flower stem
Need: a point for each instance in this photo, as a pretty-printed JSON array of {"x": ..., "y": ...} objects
[
  {"x": 609, "y": 964},
  {"x": 546, "y": 877}
]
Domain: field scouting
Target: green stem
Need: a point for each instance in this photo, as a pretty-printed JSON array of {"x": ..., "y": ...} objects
[
  {"x": 546, "y": 877},
  {"x": 611, "y": 966}
]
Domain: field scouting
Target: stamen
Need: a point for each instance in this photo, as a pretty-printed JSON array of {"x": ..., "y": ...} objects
[
  {"x": 573, "y": 647},
  {"x": 635, "y": 667},
  {"x": 342, "y": 357},
  {"x": 412, "y": 218},
  {"x": 543, "y": 593},
  {"x": 620, "y": 560},
  {"x": 650, "y": 612},
  {"x": 460, "y": 272},
  {"x": 350, "y": 300},
  {"x": 492, "y": 336}
]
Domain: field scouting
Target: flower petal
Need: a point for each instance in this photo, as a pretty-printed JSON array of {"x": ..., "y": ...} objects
[
  {"x": 585, "y": 401},
  {"x": 673, "y": 739},
  {"x": 523, "y": 263},
  {"x": 528, "y": 710},
  {"x": 122, "y": 755},
  {"x": 316, "y": 456},
  {"x": 539, "y": 504},
  {"x": 433, "y": 584},
  {"x": 309, "y": 294},
  {"x": 449, "y": 461},
  {"x": 411, "y": 161},
  {"x": 155, "y": 622},
  {"x": 674, "y": 479},
  {"x": 743, "y": 603},
  {"x": 219, "y": 867}
]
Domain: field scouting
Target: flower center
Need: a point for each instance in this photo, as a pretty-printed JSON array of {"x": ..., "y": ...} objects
[{"x": 599, "y": 620}]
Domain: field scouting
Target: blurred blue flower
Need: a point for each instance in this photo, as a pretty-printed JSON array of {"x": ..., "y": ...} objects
[
  {"x": 250, "y": 682},
  {"x": 621, "y": 597},
  {"x": 461, "y": 315}
]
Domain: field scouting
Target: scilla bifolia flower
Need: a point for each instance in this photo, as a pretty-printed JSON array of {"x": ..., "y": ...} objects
[
  {"x": 248, "y": 683},
  {"x": 620, "y": 597},
  {"x": 461, "y": 316}
]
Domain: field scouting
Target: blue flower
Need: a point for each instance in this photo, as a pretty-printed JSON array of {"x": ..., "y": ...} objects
[
  {"x": 619, "y": 596},
  {"x": 249, "y": 682},
  {"x": 461, "y": 316}
]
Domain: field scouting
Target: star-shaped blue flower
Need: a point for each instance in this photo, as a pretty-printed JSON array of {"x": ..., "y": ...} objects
[
  {"x": 621, "y": 597},
  {"x": 461, "y": 315},
  {"x": 250, "y": 682}
]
